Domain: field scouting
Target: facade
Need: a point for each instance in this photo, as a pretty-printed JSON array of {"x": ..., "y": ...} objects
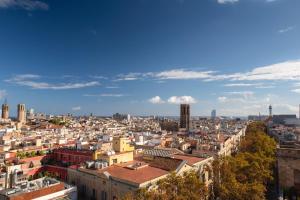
[
  {"x": 21, "y": 113},
  {"x": 5, "y": 111},
  {"x": 280, "y": 119},
  {"x": 115, "y": 181},
  {"x": 185, "y": 116},
  {"x": 72, "y": 156},
  {"x": 121, "y": 144},
  {"x": 288, "y": 161}
]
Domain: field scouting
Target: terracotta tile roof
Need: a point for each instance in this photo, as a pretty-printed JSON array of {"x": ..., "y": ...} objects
[
  {"x": 191, "y": 160},
  {"x": 165, "y": 163},
  {"x": 138, "y": 176}
]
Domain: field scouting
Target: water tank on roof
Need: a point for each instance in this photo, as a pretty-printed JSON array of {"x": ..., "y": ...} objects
[
  {"x": 98, "y": 165},
  {"x": 89, "y": 164},
  {"x": 105, "y": 164}
]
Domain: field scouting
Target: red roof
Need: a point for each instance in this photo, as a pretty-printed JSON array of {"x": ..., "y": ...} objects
[
  {"x": 190, "y": 159},
  {"x": 139, "y": 176}
]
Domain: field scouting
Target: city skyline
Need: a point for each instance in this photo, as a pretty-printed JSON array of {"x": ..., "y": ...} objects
[{"x": 146, "y": 57}]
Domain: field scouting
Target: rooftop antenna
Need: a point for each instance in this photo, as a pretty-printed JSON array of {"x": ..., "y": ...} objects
[{"x": 5, "y": 101}]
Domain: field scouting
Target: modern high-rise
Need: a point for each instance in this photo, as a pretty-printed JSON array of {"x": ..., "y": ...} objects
[
  {"x": 185, "y": 116},
  {"x": 5, "y": 111},
  {"x": 270, "y": 111},
  {"x": 213, "y": 114},
  {"x": 21, "y": 113}
]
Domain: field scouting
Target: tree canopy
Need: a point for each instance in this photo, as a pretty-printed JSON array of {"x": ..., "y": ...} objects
[{"x": 245, "y": 175}]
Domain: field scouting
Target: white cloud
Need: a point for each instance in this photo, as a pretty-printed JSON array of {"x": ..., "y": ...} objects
[
  {"x": 3, "y": 94},
  {"x": 296, "y": 90},
  {"x": 129, "y": 77},
  {"x": 181, "y": 100},
  {"x": 156, "y": 100},
  {"x": 112, "y": 95},
  {"x": 222, "y": 99},
  {"x": 31, "y": 80},
  {"x": 76, "y": 108},
  {"x": 227, "y": 1},
  {"x": 289, "y": 70},
  {"x": 287, "y": 29},
  {"x": 24, "y": 4},
  {"x": 265, "y": 87},
  {"x": 183, "y": 74},
  {"x": 98, "y": 77}
]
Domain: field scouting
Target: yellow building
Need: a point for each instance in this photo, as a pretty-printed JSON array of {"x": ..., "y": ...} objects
[
  {"x": 122, "y": 152},
  {"x": 121, "y": 144},
  {"x": 118, "y": 158}
]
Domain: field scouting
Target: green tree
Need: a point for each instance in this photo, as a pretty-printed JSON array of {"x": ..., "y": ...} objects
[{"x": 245, "y": 175}]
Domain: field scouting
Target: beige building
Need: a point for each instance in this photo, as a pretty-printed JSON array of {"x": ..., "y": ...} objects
[
  {"x": 21, "y": 113},
  {"x": 5, "y": 111},
  {"x": 288, "y": 161},
  {"x": 114, "y": 181}
]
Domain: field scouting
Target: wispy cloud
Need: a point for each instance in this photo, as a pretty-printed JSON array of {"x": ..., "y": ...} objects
[
  {"x": 183, "y": 74},
  {"x": 222, "y": 99},
  {"x": 289, "y": 70},
  {"x": 287, "y": 29},
  {"x": 173, "y": 74},
  {"x": 32, "y": 81},
  {"x": 129, "y": 77},
  {"x": 98, "y": 77},
  {"x": 156, "y": 100},
  {"x": 29, "y": 5},
  {"x": 76, "y": 108},
  {"x": 227, "y": 1}
]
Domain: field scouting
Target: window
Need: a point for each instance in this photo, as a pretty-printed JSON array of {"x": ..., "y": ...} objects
[
  {"x": 115, "y": 160},
  {"x": 296, "y": 177},
  {"x": 94, "y": 194},
  {"x": 103, "y": 195},
  {"x": 82, "y": 191},
  {"x": 115, "y": 198}
]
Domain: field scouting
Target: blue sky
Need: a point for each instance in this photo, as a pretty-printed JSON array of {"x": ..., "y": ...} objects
[{"x": 144, "y": 57}]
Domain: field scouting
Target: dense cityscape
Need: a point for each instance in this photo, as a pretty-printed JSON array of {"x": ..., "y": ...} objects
[
  {"x": 149, "y": 100},
  {"x": 89, "y": 157}
]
